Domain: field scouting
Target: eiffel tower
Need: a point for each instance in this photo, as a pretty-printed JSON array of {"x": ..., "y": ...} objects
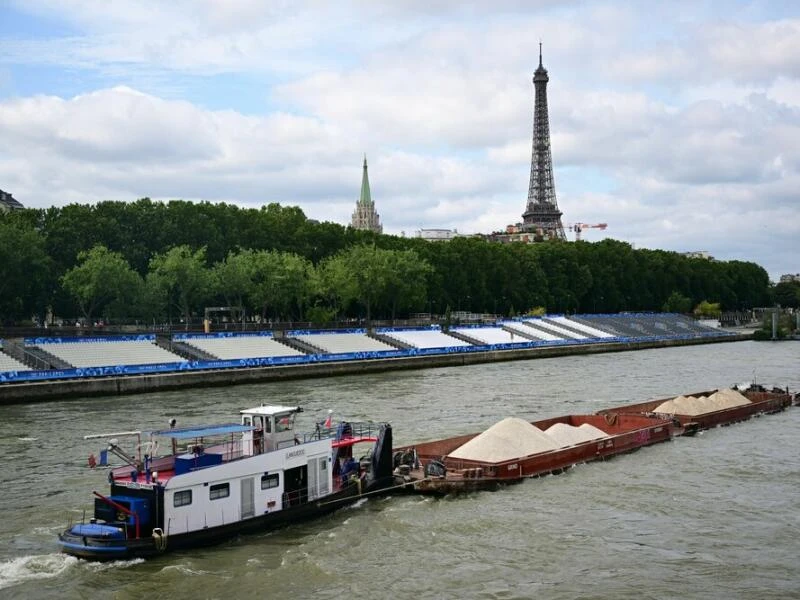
[{"x": 542, "y": 215}]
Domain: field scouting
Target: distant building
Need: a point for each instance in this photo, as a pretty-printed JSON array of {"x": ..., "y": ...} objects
[
  {"x": 8, "y": 203},
  {"x": 790, "y": 277},
  {"x": 365, "y": 216},
  {"x": 516, "y": 233},
  {"x": 698, "y": 254},
  {"x": 437, "y": 235}
]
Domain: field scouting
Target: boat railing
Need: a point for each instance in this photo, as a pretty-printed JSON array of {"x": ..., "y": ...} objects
[{"x": 346, "y": 430}]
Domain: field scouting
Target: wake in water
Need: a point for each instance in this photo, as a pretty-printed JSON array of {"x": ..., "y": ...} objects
[
  {"x": 27, "y": 568},
  {"x": 47, "y": 566}
]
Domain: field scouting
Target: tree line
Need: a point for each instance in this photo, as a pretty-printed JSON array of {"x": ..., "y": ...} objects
[{"x": 167, "y": 260}]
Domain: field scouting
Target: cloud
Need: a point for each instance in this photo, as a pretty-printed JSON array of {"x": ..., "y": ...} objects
[{"x": 677, "y": 125}]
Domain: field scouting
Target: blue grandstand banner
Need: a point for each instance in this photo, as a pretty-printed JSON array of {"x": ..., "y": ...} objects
[
  {"x": 179, "y": 337},
  {"x": 38, "y": 341},
  {"x": 294, "y": 332},
  {"x": 402, "y": 329}
]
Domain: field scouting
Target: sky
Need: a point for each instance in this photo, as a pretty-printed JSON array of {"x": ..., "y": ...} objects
[{"x": 676, "y": 123}]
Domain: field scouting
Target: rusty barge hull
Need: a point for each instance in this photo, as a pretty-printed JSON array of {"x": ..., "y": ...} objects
[
  {"x": 761, "y": 402},
  {"x": 626, "y": 433}
]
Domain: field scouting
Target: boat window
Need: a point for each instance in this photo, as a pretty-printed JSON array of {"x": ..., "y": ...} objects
[
  {"x": 183, "y": 498},
  {"x": 247, "y": 420},
  {"x": 220, "y": 490},
  {"x": 270, "y": 481},
  {"x": 285, "y": 423}
]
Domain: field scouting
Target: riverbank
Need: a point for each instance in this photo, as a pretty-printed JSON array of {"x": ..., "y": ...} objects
[{"x": 24, "y": 392}]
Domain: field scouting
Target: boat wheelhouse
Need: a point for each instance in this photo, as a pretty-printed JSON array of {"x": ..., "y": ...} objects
[{"x": 213, "y": 482}]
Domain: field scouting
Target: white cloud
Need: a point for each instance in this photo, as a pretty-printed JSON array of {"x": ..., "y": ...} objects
[{"x": 677, "y": 126}]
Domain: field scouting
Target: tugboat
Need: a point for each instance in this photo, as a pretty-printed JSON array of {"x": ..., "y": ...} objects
[{"x": 218, "y": 481}]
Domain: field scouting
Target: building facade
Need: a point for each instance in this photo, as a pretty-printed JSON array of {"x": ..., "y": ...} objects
[
  {"x": 437, "y": 235},
  {"x": 365, "y": 216},
  {"x": 8, "y": 202}
]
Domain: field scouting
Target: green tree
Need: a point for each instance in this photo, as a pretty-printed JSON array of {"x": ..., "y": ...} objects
[
  {"x": 233, "y": 278},
  {"x": 787, "y": 294},
  {"x": 677, "y": 303},
  {"x": 406, "y": 280},
  {"x": 24, "y": 271},
  {"x": 102, "y": 283},
  {"x": 183, "y": 279},
  {"x": 707, "y": 309}
]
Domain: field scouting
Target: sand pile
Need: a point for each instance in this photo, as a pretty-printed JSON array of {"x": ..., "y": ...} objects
[
  {"x": 569, "y": 435},
  {"x": 510, "y": 438},
  {"x": 689, "y": 405}
]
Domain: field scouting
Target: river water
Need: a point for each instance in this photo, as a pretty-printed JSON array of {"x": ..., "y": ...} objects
[{"x": 713, "y": 516}]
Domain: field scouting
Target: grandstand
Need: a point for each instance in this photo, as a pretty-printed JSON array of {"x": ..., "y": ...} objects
[
  {"x": 490, "y": 335},
  {"x": 8, "y": 363},
  {"x": 648, "y": 325},
  {"x": 343, "y": 343},
  {"x": 424, "y": 338},
  {"x": 109, "y": 352},
  {"x": 67, "y": 358},
  {"x": 240, "y": 346}
]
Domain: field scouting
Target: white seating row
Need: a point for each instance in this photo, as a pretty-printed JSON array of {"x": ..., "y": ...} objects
[
  {"x": 491, "y": 335},
  {"x": 591, "y": 331},
  {"x": 530, "y": 332},
  {"x": 105, "y": 354},
  {"x": 242, "y": 346},
  {"x": 426, "y": 338},
  {"x": 555, "y": 329},
  {"x": 8, "y": 363},
  {"x": 336, "y": 343}
]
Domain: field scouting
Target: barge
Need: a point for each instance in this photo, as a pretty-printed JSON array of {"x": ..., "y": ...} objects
[
  {"x": 218, "y": 481},
  {"x": 437, "y": 468},
  {"x": 760, "y": 401}
]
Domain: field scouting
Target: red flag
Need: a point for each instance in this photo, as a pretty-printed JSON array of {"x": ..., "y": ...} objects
[{"x": 328, "y": 421}]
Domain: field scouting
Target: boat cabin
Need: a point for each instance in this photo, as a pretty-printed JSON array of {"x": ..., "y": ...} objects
[{"x": 272, "y": 428}]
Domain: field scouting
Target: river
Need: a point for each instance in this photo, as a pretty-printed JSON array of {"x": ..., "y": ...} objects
[{"x": 711, "y": 516}]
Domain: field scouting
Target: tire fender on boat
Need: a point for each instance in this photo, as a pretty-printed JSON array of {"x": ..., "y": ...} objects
[{"x": 159, "y": 539}]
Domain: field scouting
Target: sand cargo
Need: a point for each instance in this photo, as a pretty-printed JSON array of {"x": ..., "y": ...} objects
[
  {"x": 512, "y": 450},
  {"x": 712, "y": 408}
]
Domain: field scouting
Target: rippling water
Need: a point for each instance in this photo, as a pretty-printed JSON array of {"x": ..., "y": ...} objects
[{"x": 713, "y": 516}]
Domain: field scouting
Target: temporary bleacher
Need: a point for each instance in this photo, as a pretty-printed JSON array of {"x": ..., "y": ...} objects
[
  {"x": 649, "y": 325},
  {"x": 624, "y": 327},
  {"x": 8, "y": 363},
  {"x": 554, "y": 329},
  {"x": 490, "y": 335},
  {"x": 241, "y": 346},
  {"x": 589, "y": 331},
  {"x": 110, "y": 353},
  {"x": 427, "y": 338},
  {"x": 530, "y": 332},
  {"x": 344, "y": 343}
]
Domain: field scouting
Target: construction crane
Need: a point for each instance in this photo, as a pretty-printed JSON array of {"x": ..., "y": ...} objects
[{"x": 578, "y": 227}]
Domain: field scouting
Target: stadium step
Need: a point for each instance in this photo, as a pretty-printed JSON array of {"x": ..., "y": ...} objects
[
  {"x": 394, "y": 343},
  {"x": 300, "y": 345},
  {"x": 460, "y": 335}
]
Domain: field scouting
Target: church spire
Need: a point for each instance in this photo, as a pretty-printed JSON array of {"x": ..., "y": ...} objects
[
  {"x": 366, "y": 197},
  {"x": 365, "y": 216}
]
